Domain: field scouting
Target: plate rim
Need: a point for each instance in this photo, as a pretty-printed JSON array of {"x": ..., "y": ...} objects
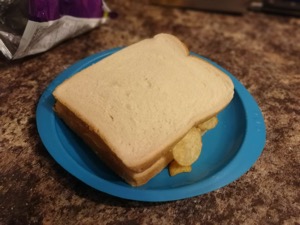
[{"x": 254, "y": 126}]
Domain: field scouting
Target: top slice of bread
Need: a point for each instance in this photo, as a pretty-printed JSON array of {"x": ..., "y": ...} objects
[{"x": 144, "y": 98}]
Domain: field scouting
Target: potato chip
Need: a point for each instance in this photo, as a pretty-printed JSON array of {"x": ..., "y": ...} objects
[
  {"x": 209, "y": 124},
  {"x": 175, "y": 168},
  {"x": 202, "y": 132},
  {"x": 188, "y": 149}
]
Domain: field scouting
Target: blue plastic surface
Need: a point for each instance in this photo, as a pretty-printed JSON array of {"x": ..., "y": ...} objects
[{"x": 229, "y": 150}]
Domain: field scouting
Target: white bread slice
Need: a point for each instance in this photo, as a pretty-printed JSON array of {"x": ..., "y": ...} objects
[
  {"x": 143, "y": 99},
  {"x": 91, "y": 138}
]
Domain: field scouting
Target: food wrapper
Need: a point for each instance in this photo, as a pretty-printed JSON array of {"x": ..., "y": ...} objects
[{"x": 29, "y": 27}]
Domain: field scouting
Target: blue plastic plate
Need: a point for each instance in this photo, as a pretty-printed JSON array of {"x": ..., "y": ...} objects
[{"x": 228, "y": 151}]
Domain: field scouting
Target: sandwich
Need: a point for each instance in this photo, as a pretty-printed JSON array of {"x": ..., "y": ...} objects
[{"x": 139, "y": 108}]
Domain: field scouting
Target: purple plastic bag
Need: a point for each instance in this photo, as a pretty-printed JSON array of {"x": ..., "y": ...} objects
[
  {"x": 46, "y": 10},
  {"x": 43, "y": 10},
  {"x": 32, "y": 26},
  {"x": 81, "y": 8}
]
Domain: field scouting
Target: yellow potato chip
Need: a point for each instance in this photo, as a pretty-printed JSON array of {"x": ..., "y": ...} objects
[
  {"x": 202, "y": 132},
  {"x": 175, "y": 168},
  {"x": 188, "y": 149},
  {"x": 209, "y": 124}
]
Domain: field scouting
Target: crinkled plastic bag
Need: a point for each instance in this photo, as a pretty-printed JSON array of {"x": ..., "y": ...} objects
[{"x": 29, "y": 27}]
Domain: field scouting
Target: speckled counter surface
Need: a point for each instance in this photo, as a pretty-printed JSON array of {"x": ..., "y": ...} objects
[{"x": 262, "y": 51}]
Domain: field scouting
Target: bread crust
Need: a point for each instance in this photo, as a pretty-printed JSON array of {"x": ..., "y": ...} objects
[{"x": 93, "y": 140}]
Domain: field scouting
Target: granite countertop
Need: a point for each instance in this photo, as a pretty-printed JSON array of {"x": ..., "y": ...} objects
[{"x": 262, "y": 51}]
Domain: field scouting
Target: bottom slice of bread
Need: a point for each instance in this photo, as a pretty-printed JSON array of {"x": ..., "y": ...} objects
[{"x": 101, "y": 149}]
